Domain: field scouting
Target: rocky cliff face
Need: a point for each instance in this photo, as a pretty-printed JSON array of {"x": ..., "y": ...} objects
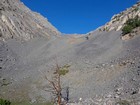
[
  {"x": 17, "y": 21},
  {"x": 117, "y": 21}
]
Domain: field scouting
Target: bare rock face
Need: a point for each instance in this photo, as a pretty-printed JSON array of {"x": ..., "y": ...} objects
[
  {"x": 17, "y": 21},
  {"x": 117, "y": 21}
]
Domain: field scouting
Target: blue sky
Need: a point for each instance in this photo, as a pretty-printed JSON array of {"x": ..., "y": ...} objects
[{"x": 78, "y": 16}]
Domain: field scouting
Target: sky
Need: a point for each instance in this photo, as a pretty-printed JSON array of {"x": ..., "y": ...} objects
[{"x": 78, "y": 16}]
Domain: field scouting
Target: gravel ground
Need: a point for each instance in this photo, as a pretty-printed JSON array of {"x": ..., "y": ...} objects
[{"x": 99, "y": 66}]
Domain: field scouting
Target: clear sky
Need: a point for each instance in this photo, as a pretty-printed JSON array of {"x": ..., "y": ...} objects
[{"x": 78, "y": 16}]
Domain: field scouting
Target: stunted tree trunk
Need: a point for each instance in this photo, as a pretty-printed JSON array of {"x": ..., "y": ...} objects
[
  {"x": 59, "y": 85},
  {"x": 55, "y": 85},
  {"x": 55, "y": 82}
]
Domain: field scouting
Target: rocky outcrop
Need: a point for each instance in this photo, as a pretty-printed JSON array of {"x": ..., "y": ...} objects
[
  {"x": 18, "y": 21},
  {"x": 131, "y": 35},
  {"x": 117, "y": 21}
]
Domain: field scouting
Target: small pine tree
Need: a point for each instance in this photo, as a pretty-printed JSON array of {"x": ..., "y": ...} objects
[{"x": 55, "y": 86}]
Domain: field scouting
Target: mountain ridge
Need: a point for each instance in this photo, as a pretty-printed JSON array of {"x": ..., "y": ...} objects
[{"x": 117, "y": 21}]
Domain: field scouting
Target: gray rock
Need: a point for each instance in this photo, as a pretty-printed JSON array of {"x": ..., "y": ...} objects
[{"x": 18, "y": 21}]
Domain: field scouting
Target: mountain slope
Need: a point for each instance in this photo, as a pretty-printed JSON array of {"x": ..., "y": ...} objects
[
  {"x": 17, "y": 21},
  {"x": 118, "y": 20}
]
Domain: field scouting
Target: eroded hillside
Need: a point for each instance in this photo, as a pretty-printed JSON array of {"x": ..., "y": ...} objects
[
  {"x": 17, "y": 21},
  {"x": 117, "y": 21}
]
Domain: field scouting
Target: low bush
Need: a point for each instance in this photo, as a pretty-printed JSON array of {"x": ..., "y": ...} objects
[
  {"x": 127, "y": 29},
  {"x": 130, "y": 25},
  {"x": 4, "y": 102}
]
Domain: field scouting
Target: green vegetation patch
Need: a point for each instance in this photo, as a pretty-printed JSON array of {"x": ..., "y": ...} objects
[
  {"x": 123, "y": 102},
  {"x": 64, "y": 69},
  {"x": 127, "y": 29},
  {"x": 4, "y": 102},
  {"x": 130, "y": 25}
]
